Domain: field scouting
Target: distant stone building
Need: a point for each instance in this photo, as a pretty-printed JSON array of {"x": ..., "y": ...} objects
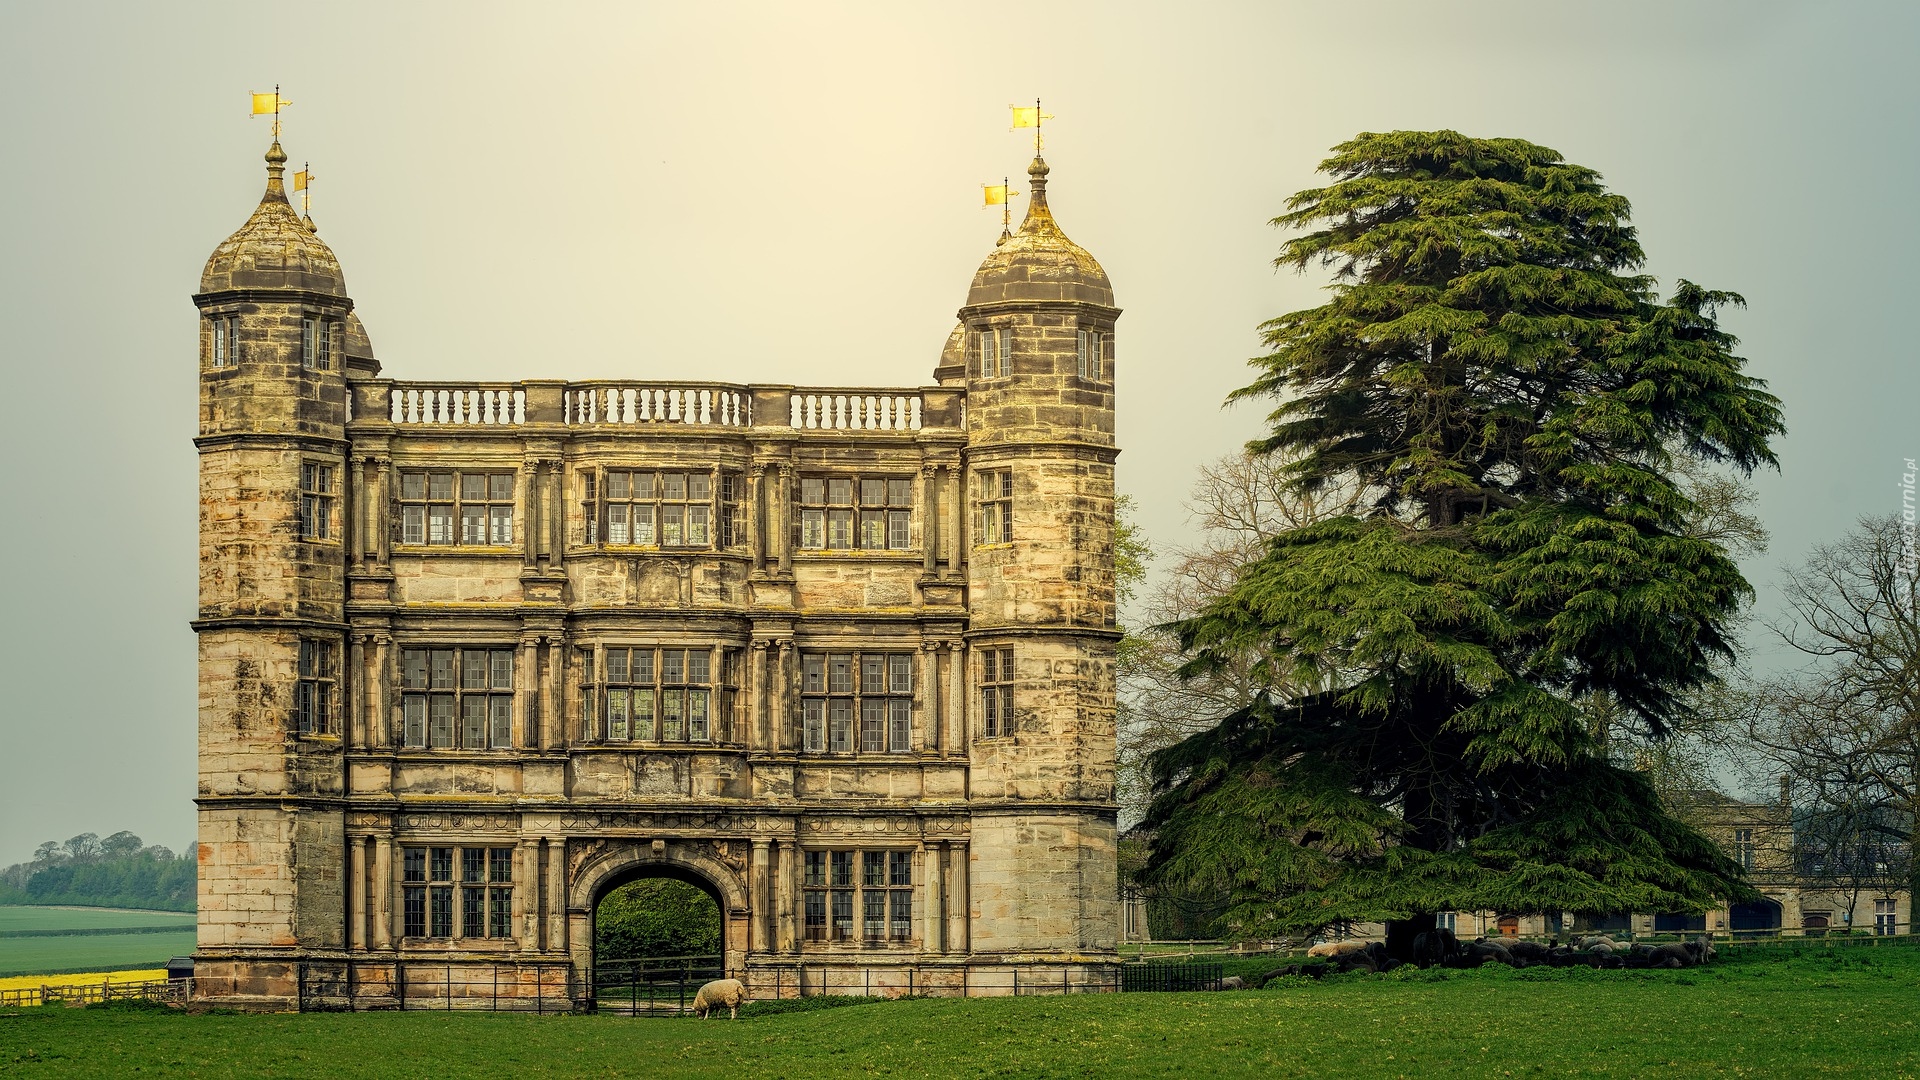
[
  {"x": 473, "y": 654},
  {"x": 1800, "y": 895}
]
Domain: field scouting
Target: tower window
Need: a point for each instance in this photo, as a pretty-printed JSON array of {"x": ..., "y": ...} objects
[
  {"x": 316, "y": 696},
  {"x": 316, "y": 501},
  {"x": 876, "y": 689},
  {"x": 996, "y": 691},
  {"x": 433, "y": 503},
  {"x": 456, "y": 698},
  {"x": 995, "y": 349},
  {"x": 844, "y": 512},
  {"x": 223, "y": 343},
  {"x": 1743, "y": 848},
  {"x": 319, "y": 338},
  {"x": 1092, "y": 355},
  {"x": 995, "y": 507}
]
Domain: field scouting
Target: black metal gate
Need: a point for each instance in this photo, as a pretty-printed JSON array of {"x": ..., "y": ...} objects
[{"x": 653, "y": 985}]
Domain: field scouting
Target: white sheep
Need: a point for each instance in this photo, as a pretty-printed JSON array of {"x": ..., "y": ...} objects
[
  {"x": 720, "y": 993},
  {"x": 1337, "y": 949}
]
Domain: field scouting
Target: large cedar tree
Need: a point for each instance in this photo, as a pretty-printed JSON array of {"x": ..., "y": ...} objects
[{"x": 1515, "y": 396}]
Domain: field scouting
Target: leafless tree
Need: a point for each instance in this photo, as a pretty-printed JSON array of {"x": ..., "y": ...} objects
[
  {"x": 1845, "y": 729},
  {"x": 1237, "y": 504},
  {"x": 1686, "y": 761}
]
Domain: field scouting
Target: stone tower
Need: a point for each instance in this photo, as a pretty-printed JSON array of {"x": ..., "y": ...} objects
[
  {"x": 1037, "y": 331},
  {"x": 273, "y": 351}
]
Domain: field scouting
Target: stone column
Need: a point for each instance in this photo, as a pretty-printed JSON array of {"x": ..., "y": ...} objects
[
  {"x": 956, "y": 518},
  {"x": 758, "y": 729},
  {"x": 383, "y": 887},
  {"x": 555, "y": 517},
  {"x": 960, "y": 904},
  {"x": 356, "y": 904},
  {"x": 928, "y": 696},
  {"x": 380, "y": 725},
  {"x": 782, "y": 719},
  {"x": 782, "y": 538},
  {"x": 526, "y": 678},
  {"x": 523, "y": 503},
  {"x": 357, "y": 514},
  {"x": 783, "y": 897},
  {"x": 756, "y": 521},
  {"x": 526, "y": 894},
  {"x": 355, "y": 678},
  {"x": 556, "y": 894},
  {"x": 597, "y": 731},
  {"x": 760, "y": 898},
  {"x": 929, "y": 518},
  {"x": 551, "y": 735},
  {"x": 377, "y": 518},
  {"x": 961, "y": 729},
  {"x": 933, "y": 915}
]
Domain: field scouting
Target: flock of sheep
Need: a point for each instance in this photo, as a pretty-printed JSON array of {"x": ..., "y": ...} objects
[
  {"x": 1435, "y": 948},
  {"x": 1440, "y": 948}
]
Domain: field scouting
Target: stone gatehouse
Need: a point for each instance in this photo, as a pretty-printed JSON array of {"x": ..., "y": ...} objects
[{"x": 472, "y": 654}]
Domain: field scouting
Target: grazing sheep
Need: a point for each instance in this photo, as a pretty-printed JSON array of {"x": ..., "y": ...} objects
[
  {"x": 1591, "y": 940},
  {"x": 1337, "y": 949},
  {"x": 1682, "y": 954},
  {"x": 1639, "y": 956},
  {"x": 1233, "y": 982},
  {"x": 1372, "y": 957},
  {"x": 1527, "y": 953},
  {"x": 1436, "y": 947},
  {"x": 720, "y": 994},
  {"x": 1481, "y": 951},
  {"x": 1307, "y": 971}
]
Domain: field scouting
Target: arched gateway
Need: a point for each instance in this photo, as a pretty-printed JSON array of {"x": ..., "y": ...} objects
[
  {"x": 471, "y": 652},
  {"x": 700, "y": 864}
]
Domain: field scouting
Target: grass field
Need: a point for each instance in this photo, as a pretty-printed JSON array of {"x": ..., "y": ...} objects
[
  {"x": 78, "y": 918},
  {"x": 89, "y": 952},
  {"x": 1765, "y": 1013}
]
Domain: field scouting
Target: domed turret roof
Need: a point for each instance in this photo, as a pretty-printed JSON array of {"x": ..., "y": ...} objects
[
  {"x": 1038, "y": 262},
  {"x": 275, "y": 249},
  {"x": 953, "y": 357}
]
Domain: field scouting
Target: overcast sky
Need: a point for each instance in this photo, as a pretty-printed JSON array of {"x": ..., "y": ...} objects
[{"x": 790, "y": 193}]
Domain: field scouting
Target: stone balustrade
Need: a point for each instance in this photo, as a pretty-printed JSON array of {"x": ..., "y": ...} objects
[
  {"x": 855, "y": 410},
  {"x": 658, "y": 403},
  {"x": 627, "y": 404},
  {"x": 456, "y": 403}
]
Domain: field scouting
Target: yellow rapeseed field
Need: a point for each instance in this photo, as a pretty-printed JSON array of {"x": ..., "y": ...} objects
[{"x": 28, "y": 982}]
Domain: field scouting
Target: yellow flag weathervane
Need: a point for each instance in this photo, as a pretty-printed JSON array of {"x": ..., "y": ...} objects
[
  {"x": 302, "y": 181},
  {"x": 997, "y": 195},
  {"x": 1024, "y": 117},
  {"x": 265, "y": 104}
]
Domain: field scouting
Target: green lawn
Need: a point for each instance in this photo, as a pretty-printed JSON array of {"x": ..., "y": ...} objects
[
  {"x": 65, "y": 918},
  {"x": 1766, "y": 1013}
]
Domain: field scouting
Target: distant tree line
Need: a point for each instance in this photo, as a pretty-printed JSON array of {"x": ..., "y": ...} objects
[{"x": 118, "y": 871}]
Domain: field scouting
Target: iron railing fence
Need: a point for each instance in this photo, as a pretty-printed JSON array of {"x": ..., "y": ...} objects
[
  {"x": 653, "y": 985},
  {"x": 1176, "y": 977}
]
